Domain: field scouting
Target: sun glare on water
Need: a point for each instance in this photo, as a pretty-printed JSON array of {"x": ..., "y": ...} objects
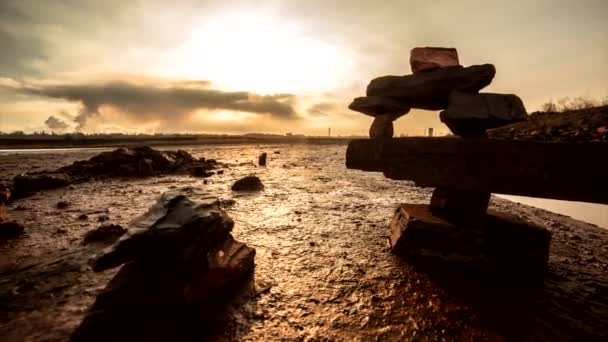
[{"x": 259, "y": 53}]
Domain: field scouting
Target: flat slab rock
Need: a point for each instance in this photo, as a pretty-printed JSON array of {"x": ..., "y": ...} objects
[
  {"x": 378, "y": 105},
  {"x": 472, "y": 114},
  {"x": 566, "y": 171},
  {"x": 430, "y": 58},
  {"x": 497, "y": 243},
  {"x": 430, "y": 90}
]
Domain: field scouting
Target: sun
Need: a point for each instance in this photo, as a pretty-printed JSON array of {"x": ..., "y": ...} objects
[{"x": 261, "y": 53}]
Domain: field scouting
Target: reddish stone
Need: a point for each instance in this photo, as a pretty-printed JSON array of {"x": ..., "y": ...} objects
[{"x": 430, "y": 58}]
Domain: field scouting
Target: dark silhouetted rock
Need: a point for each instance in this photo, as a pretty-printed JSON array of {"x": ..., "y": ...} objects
[
  {"x": 105, "y": 234},
  {"x": 430, "y": 58},
  {"x": 496, "y": 244},
  {"x": 182, "y": 269},
  {"x": 103, "y": 218},
  {"x": 27, "y": 184},
  {"x": 472, "y": 114},
  {"x": 201, "y": 171},
  {"x": 430, "y": 90},
  {"x": 382, "y": 127},
  {"x": 459, "y": 204},
  {"x": 262, "y": 159},
  {"x": 83, "y": 217},
  {"x": 378, "y": 105},
  {"x": 566, "y": 171},
  {"x": 145, "y": 167},
  {"x": 249, "y": 183},
  {"x": 10, "y": 230},
  {"x": 63, "y": 204}
]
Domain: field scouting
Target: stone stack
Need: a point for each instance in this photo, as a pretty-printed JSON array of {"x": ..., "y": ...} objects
[
  {"x": 439, "y": 82},
  {"x": 456, "y": 227}
]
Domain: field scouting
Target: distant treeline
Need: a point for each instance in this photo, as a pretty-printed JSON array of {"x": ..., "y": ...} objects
[{"x": 46, "y": 140}]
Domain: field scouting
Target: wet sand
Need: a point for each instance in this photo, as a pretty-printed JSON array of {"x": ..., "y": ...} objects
[{"x": 323, "y": 268}]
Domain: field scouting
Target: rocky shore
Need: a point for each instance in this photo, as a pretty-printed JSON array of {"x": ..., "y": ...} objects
[
  {"x": 323, "y": 268},
  {"x": 584, "y": 125}
]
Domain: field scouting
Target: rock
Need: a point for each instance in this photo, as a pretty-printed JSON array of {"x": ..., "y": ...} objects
[
  {"x": 497, "y": 244},
  {"x": 10, "y": 230},
  {"x": 145, "y": 167},
  {"x": 103, "y": 218},
  {"x": 378, "y": 105},
  {"x": 183, "y": 268},
  {"x": 459, "y": 204},
  {"x": 173, "y": 223},
  {"x": 472, "y": 114},
  {"x": 83, "y": 217},
  {"x": 27, "y": 184},
  {"x": 105, "y": 234},
  {"x": 431, "y": 58},
  {"x": 201, "y": 171},
  {"x": 382, "y": 127},
  {"x": 249, "y": 183},
  {"x": 63, "y": 204},
  {"x": 262, "y": 159},
  {"x": 430, "y": 90},
  {"x": 220, "y": 172}
]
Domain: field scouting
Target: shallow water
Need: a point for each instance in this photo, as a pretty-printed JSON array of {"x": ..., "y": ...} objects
[{"x": 322, "y": 265}]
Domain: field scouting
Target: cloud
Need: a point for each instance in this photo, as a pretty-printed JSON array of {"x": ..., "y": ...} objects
[
  {"x": 321, "y": 109},
  {"x": 56, "y": 124},
  {"x": 162, "y": 102}
]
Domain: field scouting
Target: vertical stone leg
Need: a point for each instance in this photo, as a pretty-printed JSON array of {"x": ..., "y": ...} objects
[
  {"x": 382, "y": 126},
  {"x": 459, "y": 204}
]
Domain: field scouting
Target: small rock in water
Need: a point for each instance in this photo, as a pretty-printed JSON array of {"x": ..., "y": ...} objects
[
  {"x": 63, "y": 204},
  {"x": 249, "y": 183},
  {"x": 10, "y": 230},
  {"x": 103, "y": 218},
  {"x": 106, "y": 233},
  {"x": 262, "y": 159},
  {"x": 83, "y": 217}
]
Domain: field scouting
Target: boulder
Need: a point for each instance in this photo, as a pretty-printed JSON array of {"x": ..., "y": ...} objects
[
  {"x": 378, "y": 105},
  {"x": 431, "y": 90},
  {"x": 201, "y": 171},
  {"x": 496, "y": 244},
  {"x": 182, "y": 270},
  {"x": 262, "y": 159},
  {"x": 249, "y": 183},
  {"x": 430, "y": 58},
  {"x": 175, "y": 229},
  {"x": 382, "y": 127},
  {"x": 472, "y": 114}
]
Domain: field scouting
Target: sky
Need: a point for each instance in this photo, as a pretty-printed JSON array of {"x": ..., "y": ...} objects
[{"x": 274, "y": 66}]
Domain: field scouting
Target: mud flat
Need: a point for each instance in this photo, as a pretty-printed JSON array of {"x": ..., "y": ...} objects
[{"x": 323, "y": 267}]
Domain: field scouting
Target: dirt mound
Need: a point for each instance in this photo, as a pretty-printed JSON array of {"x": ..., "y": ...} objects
[{"x": 584, "y": 125}]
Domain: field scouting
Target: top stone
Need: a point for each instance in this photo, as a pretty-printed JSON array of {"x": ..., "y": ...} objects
[
  {"x": 430, "y": 58},
  {"x": 430, "y": 90}
]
